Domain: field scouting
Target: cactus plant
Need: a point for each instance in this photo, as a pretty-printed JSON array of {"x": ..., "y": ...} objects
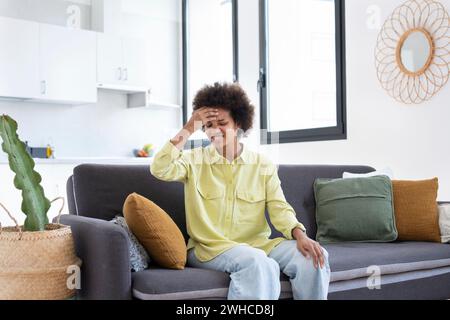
[{"x": 34, "y": 203}]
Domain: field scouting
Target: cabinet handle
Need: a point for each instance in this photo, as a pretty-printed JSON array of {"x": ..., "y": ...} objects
[
  {"x": 125, "y": 74},
  {"x": 120, "y": 73},
  {"x": 43, "y": 87}
]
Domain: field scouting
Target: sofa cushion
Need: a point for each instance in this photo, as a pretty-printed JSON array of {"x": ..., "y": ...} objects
[
  {"x": 357, "y": 209},
  {"x": 382, "y": 172},
  {"x": 416, "y": 210},
  {"x": 190, "y": 283},
  {"x": 156, "y": 231},
  {"x": 351, "y": 260},
  {"x": 444, "y": 222},
  {"x": 297, "y": 183},
  {"x": 139, "y": 258},
  {"x": 348, "y": 262},
  {"x": 433, "y": 284}
]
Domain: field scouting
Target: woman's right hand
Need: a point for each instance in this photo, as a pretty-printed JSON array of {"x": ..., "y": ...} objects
[{"x": 200, "y": 118}]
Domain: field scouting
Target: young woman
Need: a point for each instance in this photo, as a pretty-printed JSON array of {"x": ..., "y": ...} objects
[{"x": 227, "y": 189}]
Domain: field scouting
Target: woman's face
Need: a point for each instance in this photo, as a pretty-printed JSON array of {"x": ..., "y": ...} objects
[{"x": 223, "y": 131}]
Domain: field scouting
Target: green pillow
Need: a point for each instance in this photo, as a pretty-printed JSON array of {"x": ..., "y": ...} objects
[{"x": 355, "y": 210}]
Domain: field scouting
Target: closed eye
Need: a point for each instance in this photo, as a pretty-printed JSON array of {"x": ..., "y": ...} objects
[{"x": 209, "y": 124}]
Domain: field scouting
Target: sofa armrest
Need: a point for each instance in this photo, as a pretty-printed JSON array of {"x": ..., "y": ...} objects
[{"x": 103, "y": 248}]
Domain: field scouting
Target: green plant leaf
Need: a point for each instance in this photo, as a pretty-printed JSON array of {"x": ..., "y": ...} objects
[{"x": 34, "y": 203}]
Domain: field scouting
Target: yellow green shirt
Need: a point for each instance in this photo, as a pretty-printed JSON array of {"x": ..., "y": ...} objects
[{"x": 225, "y": 201}]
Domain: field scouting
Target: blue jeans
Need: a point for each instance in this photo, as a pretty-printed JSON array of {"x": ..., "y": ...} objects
[{"x": 256, "y": 276}]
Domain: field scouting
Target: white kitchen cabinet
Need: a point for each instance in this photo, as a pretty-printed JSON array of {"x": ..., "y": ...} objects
[
  {"x": 67, "y": 64},
  {"x": 19, "y": 52},
  {"x": 121, "y": 63},
  {"x": 135, "y": 57},
  {"x": 109, "y": 59},
  {"x": 47, "y": 63}
]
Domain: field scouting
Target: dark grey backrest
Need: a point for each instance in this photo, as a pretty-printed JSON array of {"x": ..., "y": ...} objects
[{"x": 99, "y": 191}]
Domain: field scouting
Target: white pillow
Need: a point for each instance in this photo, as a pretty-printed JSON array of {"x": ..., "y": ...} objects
[
  {"x": 444, "y": 222},
  {"x": 384, "y": 172}
]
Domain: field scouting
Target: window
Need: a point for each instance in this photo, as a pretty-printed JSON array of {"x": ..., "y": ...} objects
[
  {"x": 209, "y": 49},
  {"x": 302, "y": 71}
]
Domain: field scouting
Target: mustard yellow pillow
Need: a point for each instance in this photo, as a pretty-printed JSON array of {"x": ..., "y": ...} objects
[
  {"x": 416, "y": 210},
  {"x": 157, "y": 232}
]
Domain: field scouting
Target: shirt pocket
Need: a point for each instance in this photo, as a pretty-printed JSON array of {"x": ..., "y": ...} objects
[
  {"x": 251, "y": 207},
  {"x": 210, "y": 194},
  {"x": 211, "y": 198}
]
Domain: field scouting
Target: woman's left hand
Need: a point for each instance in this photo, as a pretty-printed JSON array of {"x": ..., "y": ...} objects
[{"x": 310, "y": 248}]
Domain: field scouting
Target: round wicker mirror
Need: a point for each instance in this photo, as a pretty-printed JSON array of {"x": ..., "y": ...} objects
[
  {"x": 412, "y": 55},
  {"x": 415, "y": 51}
]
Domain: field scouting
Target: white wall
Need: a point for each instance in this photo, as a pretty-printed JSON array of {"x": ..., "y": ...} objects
[{"x": 412, "y": 140}]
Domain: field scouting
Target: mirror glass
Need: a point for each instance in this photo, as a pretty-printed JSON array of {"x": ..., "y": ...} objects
[{"x": 415, "y": 51}]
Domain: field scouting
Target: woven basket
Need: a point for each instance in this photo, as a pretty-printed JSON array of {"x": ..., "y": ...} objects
[{"x": 34, "y": 265}]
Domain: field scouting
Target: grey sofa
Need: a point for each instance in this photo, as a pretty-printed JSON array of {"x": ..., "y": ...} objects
[{"x": 409, "y": 270}]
